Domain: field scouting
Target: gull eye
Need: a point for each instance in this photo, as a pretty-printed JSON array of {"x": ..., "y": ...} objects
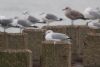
[{"x": 66, "y": 8}]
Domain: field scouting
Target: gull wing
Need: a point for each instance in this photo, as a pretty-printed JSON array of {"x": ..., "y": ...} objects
[
  {"x": 51, "y": 17},
  {"x": 59, "y": 36}
]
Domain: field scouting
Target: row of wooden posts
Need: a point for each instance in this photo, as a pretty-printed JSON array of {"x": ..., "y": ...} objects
[{"x": 43, "y": 53}]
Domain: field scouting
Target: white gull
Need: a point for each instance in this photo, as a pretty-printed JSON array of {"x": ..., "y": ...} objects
[
  {"x": 54, "y": 36},
  {"x": 92, "y": 13}
]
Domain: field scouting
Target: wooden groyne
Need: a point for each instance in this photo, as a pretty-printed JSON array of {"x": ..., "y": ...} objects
[
  {"x": 77, "y": 33},
  {"x": 46, "y": 54}
]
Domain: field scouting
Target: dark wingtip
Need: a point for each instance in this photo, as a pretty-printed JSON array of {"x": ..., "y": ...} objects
[
  {"x": 69, "y": 38},
  {"x": 44, "y": 21},
  {"x": 85, "y": 18},
  {"x": 34, "y": 26},
  {"x": 60, "y": 19}
]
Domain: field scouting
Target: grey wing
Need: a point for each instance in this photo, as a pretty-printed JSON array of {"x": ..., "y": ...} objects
[
  {"x": 95, "y": 14},
  {"x": 24, "y": 23},
  {"x": 32, "y": 19},
  {"x": 59, "y": 36},
  {"x": 51, "y": 17},
  {"x": 5, "y": 21},
  {"x": 96, "y": 24}
]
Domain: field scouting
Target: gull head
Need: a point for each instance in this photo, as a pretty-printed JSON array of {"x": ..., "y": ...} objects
[
  {"x": 42, "y": 13},
  {"x": 67, "y": 9},
  {"x": 2, "y": 17},
  {"x": 48, "y": 31},
  {"x": 16, "y": 17},
  {"x": 88, "y": 9},
  {"x": 26, "y": 12}
]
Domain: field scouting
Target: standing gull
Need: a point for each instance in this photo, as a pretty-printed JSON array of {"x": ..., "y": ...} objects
[
  {"x": 22, "y": 23},
  {"x": 73, "y": 14},
  {"x": 48, "y": 18},
  {"x": 54, "y": 36},
  {"x": 5, "y": 22},
  {"x": 31, "y": 18}
]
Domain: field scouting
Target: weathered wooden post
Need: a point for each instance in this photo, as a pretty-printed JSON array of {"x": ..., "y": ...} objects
[
  {"x": 2, "y": 41},
  {"x": 16, "y": 41},
  {"x": 91, "y": 53},
  {"x": 15, "y": 58},
  {"x": 35, "y": 38},
  {"x": 56, "y": 54}
]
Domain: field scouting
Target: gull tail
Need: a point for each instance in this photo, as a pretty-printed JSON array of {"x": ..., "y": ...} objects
[
  {"x": 41, "y": 22},
  {"x": 68, "y": 40},
  {"x": 60, "y": 19},
  {"x": 85, "y": 18}
]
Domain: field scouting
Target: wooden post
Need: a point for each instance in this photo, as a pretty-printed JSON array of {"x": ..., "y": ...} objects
[
  {"x": 70, "y": 56},
  {"x": 15, "y": 58},
  {"x": 35, "y": 37},
  {"x": 91, "y": 54},
  {"x": 56, "y": 54}
]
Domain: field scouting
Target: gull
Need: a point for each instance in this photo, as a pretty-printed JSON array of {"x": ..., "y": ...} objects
[
  {"x": 57, "y": 37},
  {"x": 50, "y": 18},
  {"x": 22, "y": 23},
  {"x": 94, "y": 25},
  {"x": 54, "y": 36},
  {"x": 73, "y": 14},
  {"x": 31, "y": 18},
  {"x": 5, "y": 22},
  {"x": 92, "y": 13}
]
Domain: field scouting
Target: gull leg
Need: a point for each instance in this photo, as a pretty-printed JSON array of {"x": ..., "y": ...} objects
[
  {"x": 4, "y": 30},
  {"x": 72, "y": 22},
  {"x": 47, "y": 24},
  {"x": 54, "y": 43},
  {"x": 20, "y": 29}
]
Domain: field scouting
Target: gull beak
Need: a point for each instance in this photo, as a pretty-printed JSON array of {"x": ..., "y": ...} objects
[
  {"x": 63, "y": 9},
  {"x": 42, "y": 13}
]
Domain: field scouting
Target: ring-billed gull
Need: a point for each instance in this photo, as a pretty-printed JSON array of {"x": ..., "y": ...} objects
[
  {"x": 49, "y": 17},
  {"x": 54, "y": 36},
  {"x": 31, "y": 18},
  {"x": 5, "y": 22},
  {"x": 22, "y": 23},
  {"x": 92, "y": 13},
  {"x": 93, "y": 25},
  {"x": 73, "y": 14}
]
